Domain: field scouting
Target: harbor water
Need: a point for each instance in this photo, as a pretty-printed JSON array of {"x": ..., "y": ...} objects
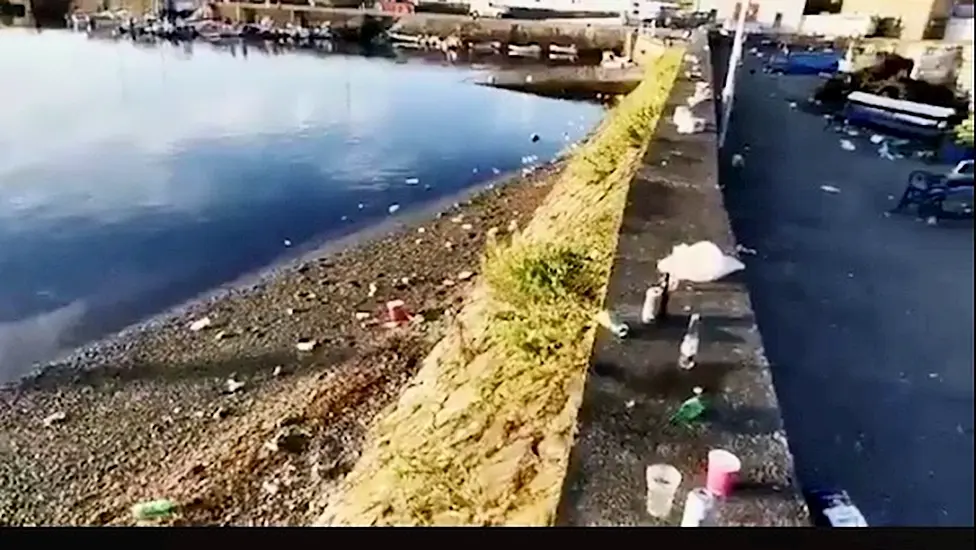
[{"x": 133, "y": 177}]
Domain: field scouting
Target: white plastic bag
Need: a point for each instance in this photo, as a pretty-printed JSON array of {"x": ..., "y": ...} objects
[
  {"x": 686, "y": 122},
  {"x": 702, "y": 262}
]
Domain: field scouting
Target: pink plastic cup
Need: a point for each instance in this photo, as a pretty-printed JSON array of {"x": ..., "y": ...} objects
[{"x": 723, "y": 472}]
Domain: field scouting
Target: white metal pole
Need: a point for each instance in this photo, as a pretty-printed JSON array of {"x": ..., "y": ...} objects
[{"x": 728, "y": 91}]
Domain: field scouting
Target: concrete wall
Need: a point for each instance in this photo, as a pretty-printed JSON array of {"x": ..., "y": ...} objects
[
  {"x": 837, "y": 25},
  {"x": 791, "y": 11},
  {"x": 959, "y": 29},
  {"x": 8, "y": 19},
  {"x": 916, "y": 15}
]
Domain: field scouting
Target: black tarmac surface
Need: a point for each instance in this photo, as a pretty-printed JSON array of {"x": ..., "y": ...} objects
[{"x": 867, "y": 318}]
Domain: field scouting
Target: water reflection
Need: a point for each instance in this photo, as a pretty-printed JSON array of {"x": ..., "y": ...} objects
[{"x": 132, "y": 178}]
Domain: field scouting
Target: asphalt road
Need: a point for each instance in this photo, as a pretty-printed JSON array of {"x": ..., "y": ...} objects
[{"x": 867, "y": 320}]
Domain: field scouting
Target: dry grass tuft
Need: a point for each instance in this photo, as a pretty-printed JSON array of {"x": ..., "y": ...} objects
[{"x": 482, "y": 436}]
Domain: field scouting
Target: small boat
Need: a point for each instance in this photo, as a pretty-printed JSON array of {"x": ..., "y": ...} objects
[
  {"x": 485, "y": 47},
  {"x": 533, "y": 50},
  {"x": 562, "y": 57},
  {"x": 405, "y": 38},
  {"x": 563, "y": 50}
]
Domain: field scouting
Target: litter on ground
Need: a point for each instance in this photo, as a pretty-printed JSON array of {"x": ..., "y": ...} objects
[{"x": 701, "y": 262}]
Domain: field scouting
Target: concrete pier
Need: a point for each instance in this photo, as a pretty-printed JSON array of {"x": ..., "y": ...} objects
[{"x": 583, "y": 35}]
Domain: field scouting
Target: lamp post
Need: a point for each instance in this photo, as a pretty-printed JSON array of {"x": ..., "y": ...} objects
[{"x": 728, "y": 91}]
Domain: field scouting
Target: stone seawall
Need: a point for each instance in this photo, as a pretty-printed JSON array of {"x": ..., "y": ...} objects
[{"x": 511, "y": 31}]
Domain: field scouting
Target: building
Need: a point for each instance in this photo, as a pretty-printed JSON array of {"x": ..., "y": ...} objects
[
  {"x": 783, "y": 15},
  {"x": 919, "y": 19},
  {"x": 15, "y": 13}
]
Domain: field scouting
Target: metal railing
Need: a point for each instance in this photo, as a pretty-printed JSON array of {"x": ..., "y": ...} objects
[{"x": 728, "y": 91}]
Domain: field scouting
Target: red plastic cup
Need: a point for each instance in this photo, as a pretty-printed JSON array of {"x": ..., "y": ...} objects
[
  {"x": 397, "y": 311},
  {"x": 723, "y": 472}
]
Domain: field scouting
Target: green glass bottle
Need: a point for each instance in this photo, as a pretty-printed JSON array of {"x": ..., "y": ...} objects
[{"x": 691, "y": 410}]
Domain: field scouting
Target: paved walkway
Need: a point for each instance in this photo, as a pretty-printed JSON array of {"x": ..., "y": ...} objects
[
  {"x": 634, "y": 385},
  {"x": 867, "y": 319}
]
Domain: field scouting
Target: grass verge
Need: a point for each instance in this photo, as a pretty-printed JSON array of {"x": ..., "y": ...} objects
[{"x": 482, "y": 435}]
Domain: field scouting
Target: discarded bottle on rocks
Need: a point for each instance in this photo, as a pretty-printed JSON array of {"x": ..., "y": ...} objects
[
  {"x": 691, "y": 410},
  {"x": 154, "y": 509},
  {"x": 689, "y": 344}
]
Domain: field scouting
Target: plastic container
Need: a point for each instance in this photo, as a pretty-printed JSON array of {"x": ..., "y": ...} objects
[
  {"x": 663, "y": 481},
  {"x": 723, "y": 472}
]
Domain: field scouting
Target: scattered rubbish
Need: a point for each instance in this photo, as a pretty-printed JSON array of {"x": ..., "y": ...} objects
[
  {"x": 457, "y": 219},
  {"x": 200, "y": 324},
  {"x": 54, "y": 418},
  {"x": 512, "y": 226},
  {"x": 686, "y": 122},
  {"x": 885, "y": 152},
  {"x": 396, "y": 311},
  {"x": 701, "y": 262},
  {"x": 723, "y": 472},
  {"x": 492, "y": 231},
  {"x": 652, "y": 304},
  {"x": 270, "y": 488},
  {"x": 362, "y": 315},
  {"x": 415, "y": 181},
  {"x": 535, "y": 138},
  {"x": 224, "y": 335},
  {"x": 829, "y": 189},
  {"x": 699, "y": 509},
  {"x": 344, "y": 218},
  {"x": 496, "y": 171},
  {"x": 738, "y": 161},
  {"x": 154, "y": 509},
  {"x": 792, "y": 105},
  {"x": 305, "y": 344},
  {"x": 287, "y": 242},
  {"x": 448, "y": 245},
  {"x": 745, "y": 250},
  {"x": 852, "y": 132},
  {"x": 360, "y": 206},
  {"x": 220, "y": 414},
  {"x": 277, "y": 371},
  {"x": 847, "y": 145},
  {"x": 835, "y": 509},
  {"x": 290, "y": 439},
  {"x": 690, "y": 343},
  {"x": 234, "y": 386},
  {"x": 630, "y": 403},
  {"x": 467, "y": 227},
  {"x": 609, "y": 321},
  {"x": 703, "y": 92},
  {"x": 691, "y": 410},
  {"x": 447, "y": 282},
  {"x": 662, "y": 484},
  {"x": 421, "y": 230},
  {"x": 393, "y": 208},
  {"x": 464, "y": 275},
  {"x": 372, "y": 290}
]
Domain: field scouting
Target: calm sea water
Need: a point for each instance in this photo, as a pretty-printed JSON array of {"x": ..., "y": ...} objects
[{"x": 134, "y": 178}]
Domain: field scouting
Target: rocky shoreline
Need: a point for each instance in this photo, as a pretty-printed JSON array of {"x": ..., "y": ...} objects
[{"x": 237, "y": 423}]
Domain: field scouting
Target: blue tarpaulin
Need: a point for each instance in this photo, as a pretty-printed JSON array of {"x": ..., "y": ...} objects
[{"x": 806, "y": 63}]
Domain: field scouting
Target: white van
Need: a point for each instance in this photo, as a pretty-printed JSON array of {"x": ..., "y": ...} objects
[{"x": 487, "y": 8}]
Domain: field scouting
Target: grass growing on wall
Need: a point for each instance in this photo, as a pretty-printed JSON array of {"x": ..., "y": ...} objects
[{"x": 482, "y": 435}]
